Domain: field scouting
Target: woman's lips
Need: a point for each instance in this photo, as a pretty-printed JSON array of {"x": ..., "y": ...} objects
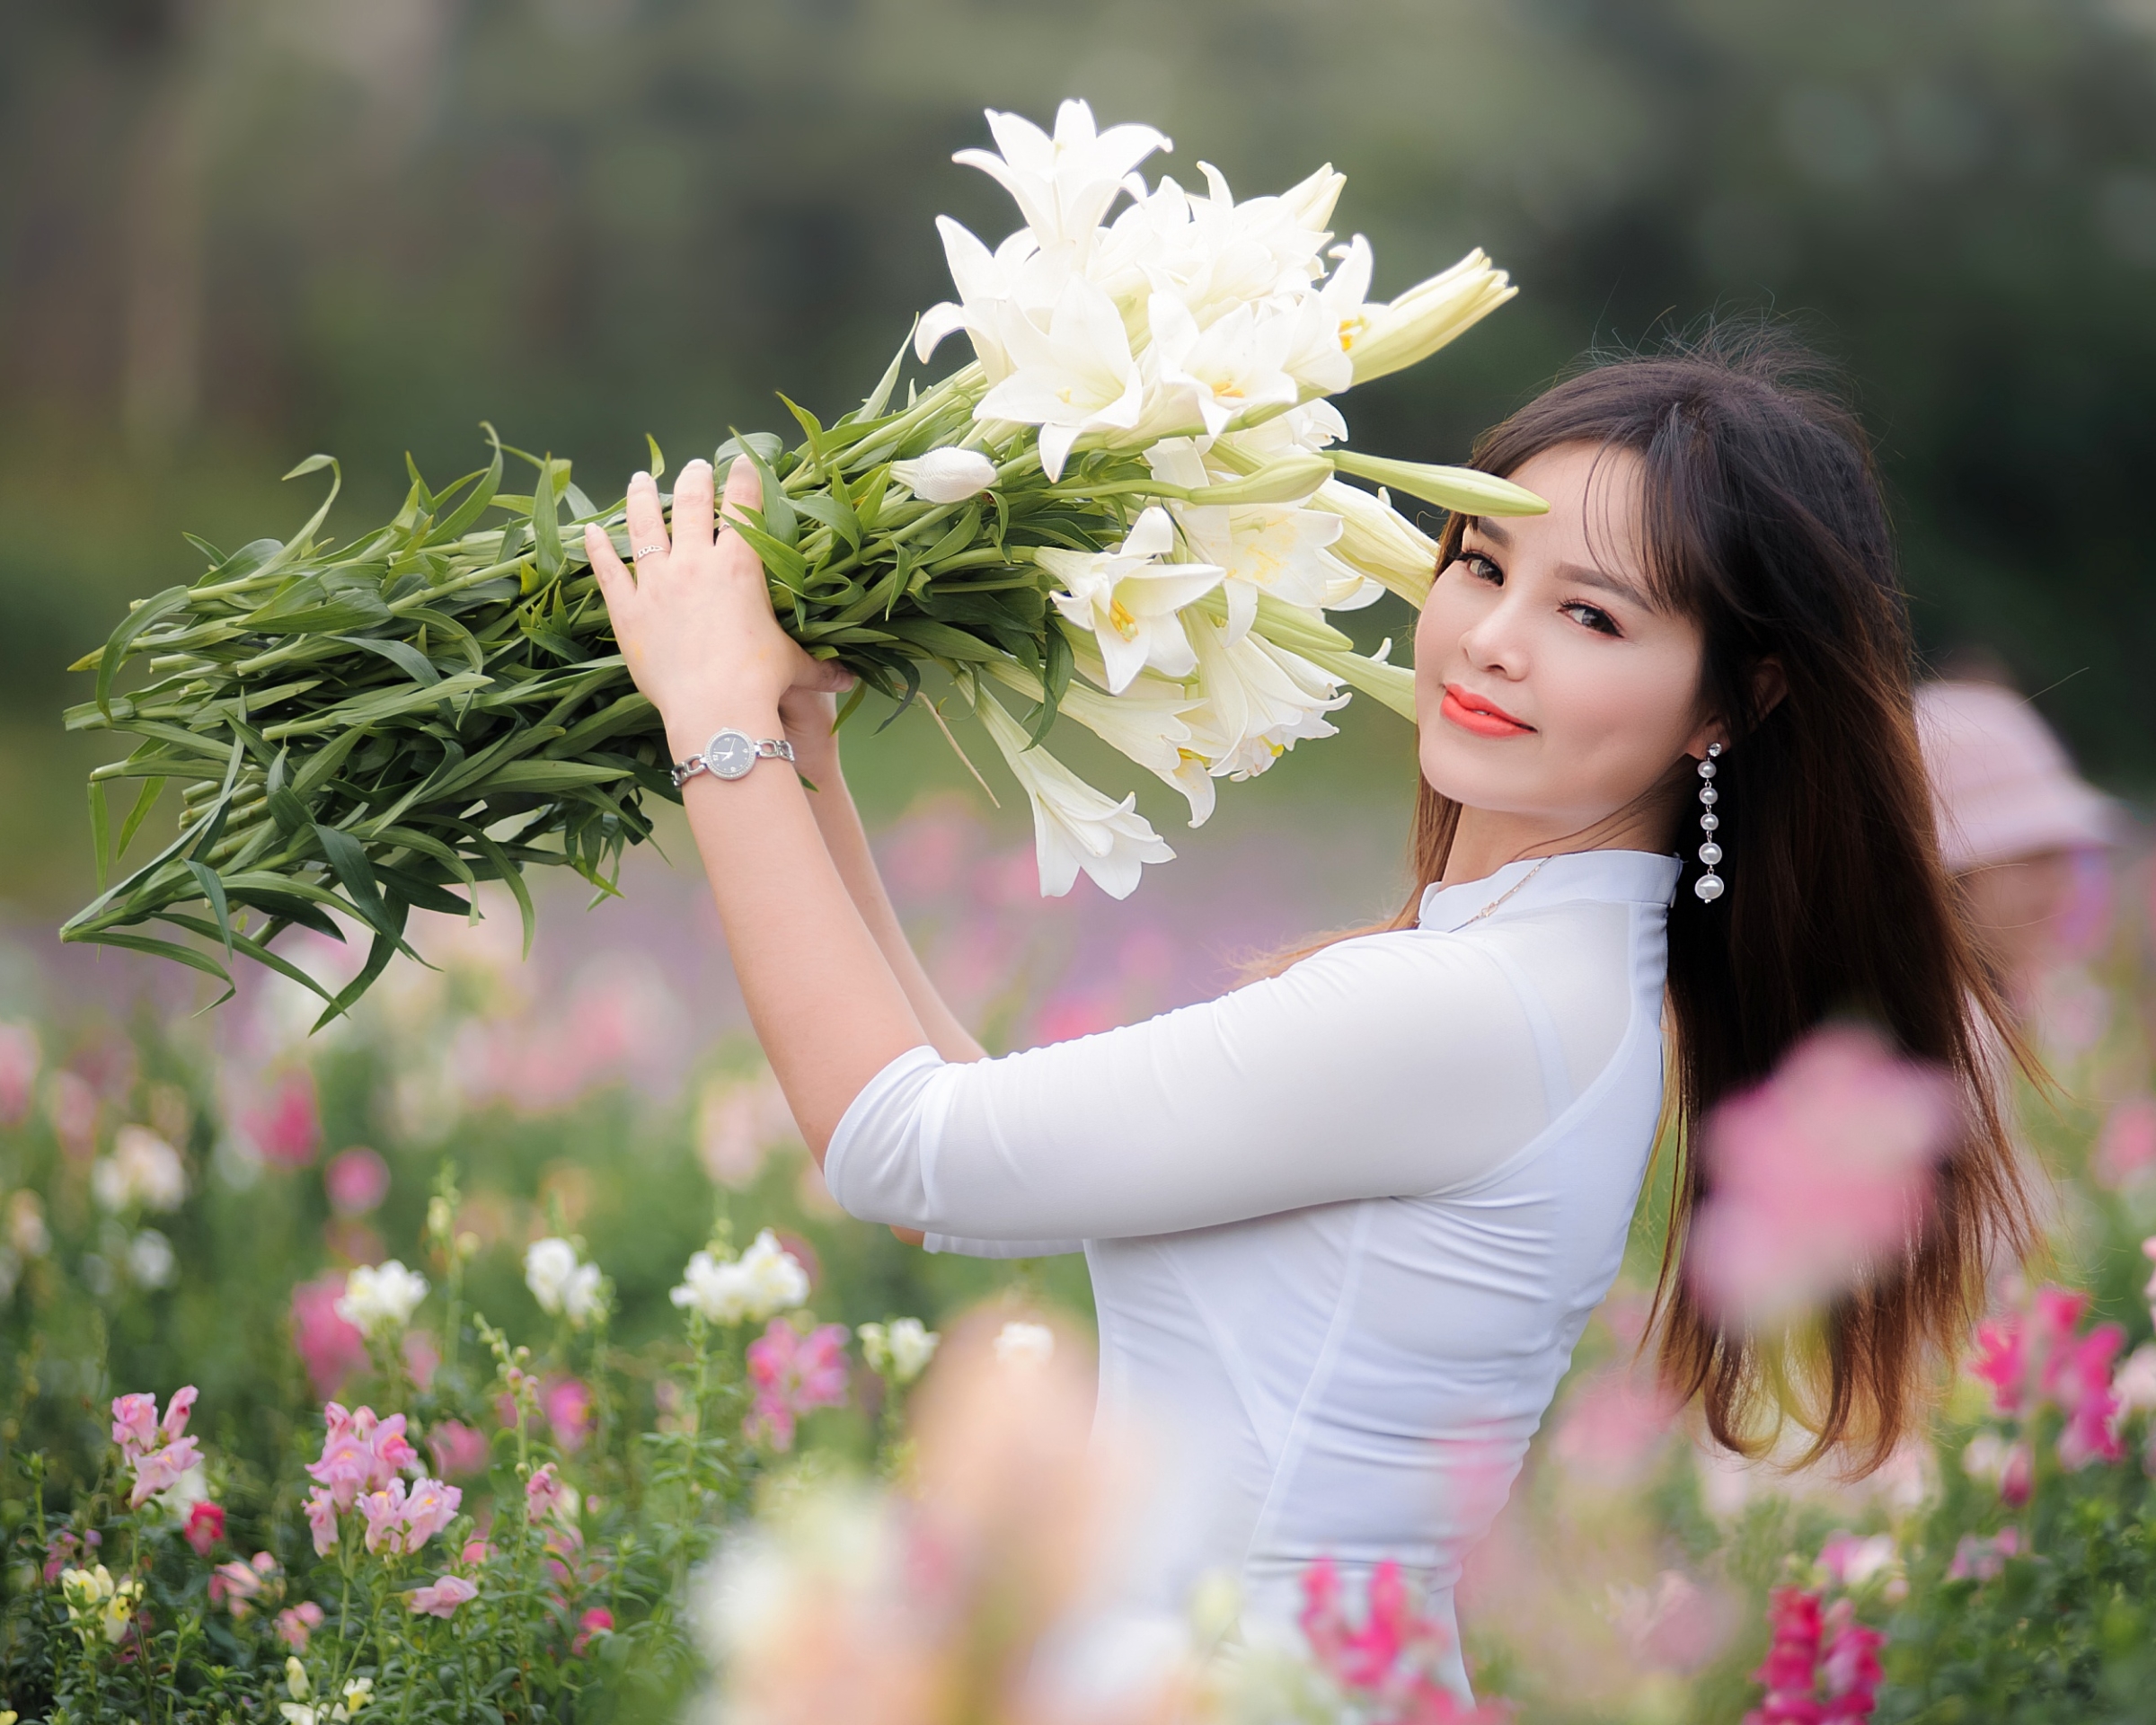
[{"x": 1470, "y": 712}]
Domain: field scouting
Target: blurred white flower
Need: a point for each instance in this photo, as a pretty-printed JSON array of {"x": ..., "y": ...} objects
[
  {"x": 946, "y": 475},
  {"x": 763, "y": 1282},
  {"x": 563, "y": 1286},
  {"x": 142, "y": 1170},
  {"x": 1128, "y": 599},
  {"x": 1984, "y": 1457},
  {"x": 150, "y": 1260},
  {"x": 1074, "y": 826},
  {"x": 1024, "y": 1344},
  {"x": 380, "y": 1299},
  {"x": 899, "y": 1350}
]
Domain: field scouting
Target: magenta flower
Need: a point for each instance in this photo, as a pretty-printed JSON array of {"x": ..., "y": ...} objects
[
  {"x": 441, "y": 1598},
  {"x": 295, "y": 1625},
  {"x": 792, "y": 1375},
  {"x": 330, "y": 1348},
  {"x": 2034, "y": 1360},
  {"x": 597, "y": 1622},
  {"x": 356, "y": 1181},
  {"x": 161, "y": 1469},
  {"x": 1816, "y": 1172},
  {"x": 1978, "y": 1559},
  {"x": 543, "y": 1493},
  {"x": 459, "y": 1451},
  {"x": 285, "y": 1123},
  {"x": 205, "y": 1527},
  {"x": 1389, "y": 1666},
  {"x": 1789, "y": 1673},
  {"x": 67, "y": 1550},
  {"x": 236, "y": 1585},
  {"x": 570, "y": 1412},
  {"x": 1851, "y": 1668}
]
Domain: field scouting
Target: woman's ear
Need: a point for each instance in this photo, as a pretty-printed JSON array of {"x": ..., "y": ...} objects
[{"x": 1769, "y": 684}]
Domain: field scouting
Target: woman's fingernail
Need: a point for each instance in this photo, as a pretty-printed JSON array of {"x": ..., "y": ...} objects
[{"x": 640, "y": 474}]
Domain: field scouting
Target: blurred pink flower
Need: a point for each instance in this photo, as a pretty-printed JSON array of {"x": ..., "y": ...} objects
[
  {"x": 1814, "y": 1172},
  {"x": 1851, "y": 1560},
  {"x": 1790, "y": 1671},
  {"x": 1851, "y": 1666},
  {"x": 459, "y": 1451},
  {"x": 19, "y": 1060},
  {"x": 570, "y": 1412},
  {"x": 356, "y": 1181},
  {"x": 1389, "y": 1666},
  {"x": 205, "y": 1527},
  {"x": 441, "y": 1598},
  {"x": 134, "y": 1424},
  {"x": 792, "y": 1374},
  {"x": 283, "y": 1122},
  {"x": 236, "y": 1585},
  {"x": 597, "y": 1622},
  {"x": 739, "y": 1121},
  {"x": 68, "y": 1550},
  {"x": 296, "y": 1624},
  {"x": 71, "y": 1108},
  {"x": 1614, "y": 1427},
  {"x": 476, "y": 1551},
  {"x": 2017, "y": 1476},
  {"x": 2126, "y": 1149},
  {"x": 1072, "y": 1012},
  {"x": 1676, "y": 1626},
  {"x": 921, "y": 856},
  {"x": 422, "y": 1358},
  {"x": 2034, "y": 1358},
  {"x": 330, "y": 1348},
  {"x": 1979, "y": 1558}
]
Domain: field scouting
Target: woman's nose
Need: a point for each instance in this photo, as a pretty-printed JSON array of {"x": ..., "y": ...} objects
[{"x": 1496, "y": 642}]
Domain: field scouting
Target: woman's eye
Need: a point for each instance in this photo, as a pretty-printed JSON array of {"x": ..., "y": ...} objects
[
  {"x": 1481, "y": 568},
  {"x": 1592, "y": 616}
]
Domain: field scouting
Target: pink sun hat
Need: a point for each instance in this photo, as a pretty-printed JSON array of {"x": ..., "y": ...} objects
[{"x": 2002, "y": 786}]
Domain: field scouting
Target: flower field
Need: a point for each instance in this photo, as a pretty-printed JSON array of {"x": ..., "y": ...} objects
[{"x": 497, "y": 1354}]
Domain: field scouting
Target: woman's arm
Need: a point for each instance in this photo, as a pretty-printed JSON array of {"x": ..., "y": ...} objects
[
  {"x": 807, "y": 716},
  {"x": 697, "y": 629}
]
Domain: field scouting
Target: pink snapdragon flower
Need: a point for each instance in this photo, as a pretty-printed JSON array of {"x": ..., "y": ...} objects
[
  {"x": 1978, "y": 1559},
  {"x": 360, "y": 1452},
  {"x": 2034, "y": 1358},
  {"x": 1850, "y": 1669},
  {"x": 543, "y": 1493},
  {"x": 1791, "y": 1672},
  {"x": 441, "y": 1598},
  {"x": 205, "y": 1527},
  {"x": 597, "y": 1622},
  {"x": 1389, "y": 1666},
  {"x": 356, "y": 1181},
  {"x": 1816, "y": 1173},
  {"x": 296, "y": 1624},
  {"x": 321, "y": 1511},
  {"x": 283, "y": 1122},
  {"x": 792, "y": 1375},
  {"x": 159, "y": 1453},
  {"x": 571, "y": 1410},
  {"x": 400, "y": 1522}
]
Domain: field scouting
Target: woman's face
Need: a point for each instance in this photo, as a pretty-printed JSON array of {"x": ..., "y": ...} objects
[{"x": 1549, "y": 684}]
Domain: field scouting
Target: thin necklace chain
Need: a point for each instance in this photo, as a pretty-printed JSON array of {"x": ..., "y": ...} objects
[{"x": 1502, "y": 896}]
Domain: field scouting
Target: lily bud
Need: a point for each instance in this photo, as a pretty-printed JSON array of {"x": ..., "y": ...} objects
[
  {"x": 1289, "y": 480},
  {"x": 1311, "y": 200},
  {"x": 1466, "y": 490},
  {"x": 1380, "y": 541},
  {"x": 1390, "y": 337},
  {"x": 946, "y": 475}
]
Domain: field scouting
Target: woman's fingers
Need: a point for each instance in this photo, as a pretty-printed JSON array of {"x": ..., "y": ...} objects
[
  {"x": 614, "y": 583},
  {"x": 744, "y": 490},
  {"x": 692, "y": 508},
  {"x": 647, "y": 519}
]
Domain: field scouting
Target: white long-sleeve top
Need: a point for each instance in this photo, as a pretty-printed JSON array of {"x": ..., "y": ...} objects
[{"x": 1345, "y": 1226}]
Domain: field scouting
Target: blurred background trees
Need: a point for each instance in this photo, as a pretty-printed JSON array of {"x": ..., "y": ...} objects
[{"x": 233, "y": 232}]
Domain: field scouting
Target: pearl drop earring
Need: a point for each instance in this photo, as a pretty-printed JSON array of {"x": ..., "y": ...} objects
[{"x": 1708, "y": 886}]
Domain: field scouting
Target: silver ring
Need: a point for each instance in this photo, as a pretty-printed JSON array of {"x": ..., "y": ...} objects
[{"x": 648, "y": 550}]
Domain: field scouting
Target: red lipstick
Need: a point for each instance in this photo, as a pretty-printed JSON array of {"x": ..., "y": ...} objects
[{"x": 1471, "y": 712}]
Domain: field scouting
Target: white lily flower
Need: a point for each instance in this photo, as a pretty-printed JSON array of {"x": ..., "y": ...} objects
[
  {"x": 1259, "y": 700},
  {"x": 1145, "y": 724},
  {"x": 1310, "y": 202},
  {"x": 1128, "y": 599},
  {"x": 1301, "y": 430},
  {"x": 1422, "y": 320},
  {"x": 1013, "y": 273},
  {"x": 1074, "y": 826},
  {"x": 1075, "y": 376},
  {"x": 1212, "y": 375},
  {"x": 1348, "y": 589},
  {"x": 1063, "y": 184},
  {"x": 1276, "y": 549},
  {"x": 379, "y": 1299},
  {"x": 946, "y": 475},
  {"x": 1379, "y": 542}
]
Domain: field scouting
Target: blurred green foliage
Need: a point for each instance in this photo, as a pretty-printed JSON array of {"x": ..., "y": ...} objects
[{"x": 233, "y": 232}]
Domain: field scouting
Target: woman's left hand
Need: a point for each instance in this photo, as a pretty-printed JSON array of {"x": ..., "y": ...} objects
[{"x": 694, "y": 621}]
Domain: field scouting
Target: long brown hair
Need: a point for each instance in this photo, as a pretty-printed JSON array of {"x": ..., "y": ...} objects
[{"x": 1766, "y": 523}]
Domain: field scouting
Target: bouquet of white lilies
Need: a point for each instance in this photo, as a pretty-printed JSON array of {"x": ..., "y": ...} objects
[{"x": 1125, "y": 511}]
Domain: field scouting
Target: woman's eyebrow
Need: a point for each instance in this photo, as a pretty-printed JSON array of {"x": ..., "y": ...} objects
[{"x": 1587, "y": 575}]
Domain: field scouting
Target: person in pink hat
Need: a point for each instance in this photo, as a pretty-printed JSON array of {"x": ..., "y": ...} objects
[{"x": 2016, "y": 822}]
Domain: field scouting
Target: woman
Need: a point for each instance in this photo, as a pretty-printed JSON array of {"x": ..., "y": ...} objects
[{"x": 1344, "y": 1224}]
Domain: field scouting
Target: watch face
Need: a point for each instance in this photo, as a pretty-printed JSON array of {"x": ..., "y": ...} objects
[{"x": 731, "y": 754}]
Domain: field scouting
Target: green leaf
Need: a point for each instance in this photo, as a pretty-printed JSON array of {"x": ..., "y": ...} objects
[
  {"x": 100, "y": 831},
  {"x": 780, "y": 560},
  {"x": 171, "y": 949},
  {"x": 460, "y": 522},
  {"x": 213, "y": 889},
  {"x": 528, "y": 777},
  {"x": 776, "y": 513},
  {"x": 378, "y": 956},
  {"x": 347, "y": 857},
  {"x": 291, "y": 548},
  {"x": 403, "y": 654},
  {"x": 252, "y": 949},
  {"x": 512, "y": 877},
  {"x": 658, "y": 461},
  {"x": 546, "y": 521},
  {"x": 145, "y": 801},
  {"x": 941, "y": 639},
  {"x": 117, "y": 643}
]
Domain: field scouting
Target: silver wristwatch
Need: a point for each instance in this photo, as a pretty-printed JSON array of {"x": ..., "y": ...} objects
[{"x": 731, "y": 754}]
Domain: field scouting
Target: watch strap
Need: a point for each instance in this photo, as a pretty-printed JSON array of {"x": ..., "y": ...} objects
[{"x": 768, "y": 748}]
